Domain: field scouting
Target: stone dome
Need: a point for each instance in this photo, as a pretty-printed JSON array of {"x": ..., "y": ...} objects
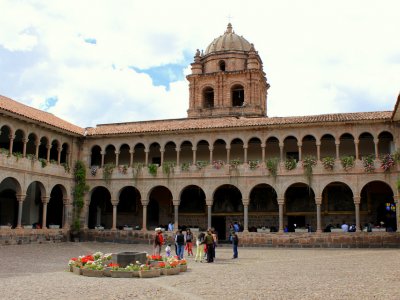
[{"x": 229, "y": 41}]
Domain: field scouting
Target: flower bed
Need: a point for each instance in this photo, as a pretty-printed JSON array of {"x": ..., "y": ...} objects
[{"x": 99, "y": 264}]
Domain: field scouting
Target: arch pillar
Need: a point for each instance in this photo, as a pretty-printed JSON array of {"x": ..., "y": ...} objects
[
  {"x": 102, "y": 158},
  {"x": 176, "y": 213},
  {"x": 11, "y": 143},
  {"x": 37, "y": 150},
  {"x": 318, "y": 202},
  {"x": 209, "y": 213},
  {"x": 245, "y": 215},
  {"x": 114, "y": 203},
  {"x": 262, "y": 153},
  {"x": 178, "y": 156},
  {"x": 281, "y": 202},
  {"x": 357, "y": 200},
  {"x": 48, "y": 147},
  {"x": 356, "y": 143},
  {"x": 228, "y": 154},
  {"x": 337, "y": 144},
  {"x": 194, "y": 150},
  {"x": 281, "y": 151},
  {"x": 45, "y": 201},
  {"x": 117, "y": 158},
  {"x": 86, "y": 216},
  {"x": 131, "y": 152},
  {"x": 146, "y": 160},
  {"x": 211, "y": 154},
  {"x": 25, "y": 142},
  {"x": 245, "y": 147},
  {"x": 300, "y": 152},
  {"x": 66, "y": 216},
  {"x": 162, "y": 151},
  {"x": 318, "y": 144},
  {"x": 59, "y": 155},
  {"x": 20, "y": 199},
  {"x": 144, "y": 221},
  {"x": 376, "y": 143}
]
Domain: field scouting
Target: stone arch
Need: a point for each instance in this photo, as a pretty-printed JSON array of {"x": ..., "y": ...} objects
[
  {"x": 32, "y": 212},
  {"x": 263, "y": 208},
  {"x": 5, "y": 133},
  {"x": 64, "y": 153},
  {"x": 300, "y": 206},
  {"x": 366, "y": 144},
  {"x": 308, "y": 146},
  {"x": 109, "y": 155},
  {"x": 290, "y": 147},
  {"x": 272, "y": 147},
  {"x": 55, "y": 207},
  {"x": 192, "y": 207},
  {"x": 124, "y": 156},
  {"x": 186, "y": 152},
  {"x": 33, "y": 139},
  {"x": 254, "y": 149},
  {"x": 95, "y": 156},
  {"x": 43, "y": 144},
  {"x": 203, "y": 150},
  {"x": 18, "y": 144},
  {"x": 237, "y": 95},
  {"x": 222, "y": 65},
  {"x": 208, "y": 97},
  {"x": 237, "y": 151},
  {"x": 385, "y": 143},
  {"x": 219, "y": 150},
  {"x": 328, "y": 146},
  {"x": 55, "y": 144},
  {"x": 100, "y": 208},
  {"x": 139, "y": 155},
  {"x": 130, "y": 209},
  {"x": 160, "y": 207},
  {"x": 10, "y": 188},
  {"x": 170, "y": 151},
  {"x": 376, "y": 199},
  {"x": 347, "y": 146},
  {"x": 154, "y": 153}
]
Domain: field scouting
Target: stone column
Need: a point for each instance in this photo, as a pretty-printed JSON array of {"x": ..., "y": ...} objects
[
  {"x": 114, "y": 203},
  {"x": 176, "y": 214},
  {"x": 318, "y": 144},
  {"x": 67, "y": 210},
  {"x": 281, "y": 151},
  {"x": 356, "y": 142},
  {"x": 86, "y": 214},
  {"x": 337, "y": 144},
  {"x": 45, "y": 201},
  {"x": 300, "y": 155},
  {"x": 246, "y": 215},
  {"x": 357, "y": 211},
  {"x": 209, "y": 213},
  {"x": 37, "y": 150},
  {"x": 281, "y": 201},
  {"x": 69, "y": 162},
  {"x": 144, "y": 224},
  {"x": 245, "y": 153},
  {"x": 228, "y": 154},
  {"x": 117, "y": 158},
  {"x": 194, "y": 150},
  {"x": 162, "y": 151},
  {"x": 131, "y": 152},
  {"x": 25, "y": 141},
  {"x": 178, "y": 156},
  {"x": 318, "y": 201},
  {"x": 396, "y": 200},
  {"x": 48, "y": 147},
  {"x": 20, "y": 199},
  {"x": 211, "y": 154},
  {"x": 262, "y": 153},
  {"x": 376, "y": 142},
  {"x": 11, "y": 144},
  {"x": 102, "y": 158},
  {"x": 59, "y": 155},
  {"x": 146, "y": 160}
]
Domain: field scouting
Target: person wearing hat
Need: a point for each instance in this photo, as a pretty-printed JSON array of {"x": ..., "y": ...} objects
[{"x": 158, "y": 241}]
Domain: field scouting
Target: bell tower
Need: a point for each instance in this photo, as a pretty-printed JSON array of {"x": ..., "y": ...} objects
[{"x": 227, "y": 79}]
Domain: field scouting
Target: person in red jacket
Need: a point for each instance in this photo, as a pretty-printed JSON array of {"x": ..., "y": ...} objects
[{"x": 158, "y": 242}]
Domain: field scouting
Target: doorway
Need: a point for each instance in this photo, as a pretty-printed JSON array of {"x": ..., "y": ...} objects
[{"x": 219, "y": 223}]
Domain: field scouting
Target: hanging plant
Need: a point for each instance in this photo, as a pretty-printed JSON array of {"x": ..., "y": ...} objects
[
  {"x": 123, "y": 169},
  {"x": 152, "y": 169},
  {"x": 272, "y": 166},
  {"x": 328, "y": 163},
  {"x": 168, "y": 167},
  {"x": 200, "y": 164},
  {"x": 290, "y": 163},
  {"x": 368, "y": 163},
  {"x": 137, "y": 169},
  {"x": 218, "y": 164},
  {"x": 387, "y": 161},
  {"x": 107, "y": 172},
  {"x": 308, "y": 163},
  {"x": 234, "y": 163},
  {"x": 79, "y": 191},
  {"x": 347, "y": 162},
  {"x": 253, "y": 164},
  {"x": 185, "y": 166},
  {"x": 43, "y": 162},
  {"x": 17, "y": 155}
]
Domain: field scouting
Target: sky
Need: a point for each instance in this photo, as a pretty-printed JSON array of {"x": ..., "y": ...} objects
[{"x": 101, "y": 61}]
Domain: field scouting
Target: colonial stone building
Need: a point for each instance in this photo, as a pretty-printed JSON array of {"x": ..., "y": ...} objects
[{"x": 226, "y": 162}]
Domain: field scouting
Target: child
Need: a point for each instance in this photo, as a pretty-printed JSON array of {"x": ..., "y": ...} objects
[{"x": 168, "y": 250}]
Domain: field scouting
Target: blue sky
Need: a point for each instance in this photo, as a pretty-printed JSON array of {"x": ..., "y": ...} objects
[{"x": 75, "y": 58}]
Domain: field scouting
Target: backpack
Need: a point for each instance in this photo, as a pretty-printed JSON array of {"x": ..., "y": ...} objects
[{"x": 180, "y": 239}]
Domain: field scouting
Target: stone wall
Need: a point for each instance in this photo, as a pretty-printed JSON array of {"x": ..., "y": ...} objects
[{"x": 26, "y": 236}]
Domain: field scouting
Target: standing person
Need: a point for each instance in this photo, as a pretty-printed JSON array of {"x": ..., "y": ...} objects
[
  {"x": 199, "y": 247},
  {"x": 170, "y": 226},
  {"x": 209, "y": 241},
  {"x": 345, "y": 227},
  {"x": 189, "y": 243},
  {"x": 215, "y": 240},
  {"x": 180, "y": 244},
  {"x": 236, "y": 227},
  {"x": 235, "y": 243},
  {"x": 158, "y": 242}
]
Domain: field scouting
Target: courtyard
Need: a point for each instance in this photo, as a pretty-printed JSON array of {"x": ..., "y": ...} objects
[{"x": 39, "y": 271}]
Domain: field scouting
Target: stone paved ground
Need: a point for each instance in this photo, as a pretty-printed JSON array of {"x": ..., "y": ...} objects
[{"x": 38, "y": 271}]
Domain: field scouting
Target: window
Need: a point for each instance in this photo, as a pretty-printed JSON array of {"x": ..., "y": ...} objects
[
  {"x": 222, "y": 66},
  {"x": 237, "y": 93},
  {"x": 208, "y": 96}
]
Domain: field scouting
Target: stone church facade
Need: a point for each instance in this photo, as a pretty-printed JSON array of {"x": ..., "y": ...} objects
[{"x": 226, "y": 162}]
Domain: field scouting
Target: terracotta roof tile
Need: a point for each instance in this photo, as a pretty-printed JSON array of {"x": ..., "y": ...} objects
[
  {"x": 231, "y": 122},
  {"x": 34, "y": 114}
]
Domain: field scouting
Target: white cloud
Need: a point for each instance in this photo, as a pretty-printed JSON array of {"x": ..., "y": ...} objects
[{"x": 320, "y": 57}]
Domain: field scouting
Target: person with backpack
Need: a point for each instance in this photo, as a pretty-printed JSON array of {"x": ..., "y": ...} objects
[
  {"x": 158, "y": 242},
  {"x": 180, "y": 244},
  {"x": 209, "y": 241}
]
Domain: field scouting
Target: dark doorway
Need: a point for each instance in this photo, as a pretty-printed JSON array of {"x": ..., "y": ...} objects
[
  {"x": 219, "y": 224},
  {"x": 300, "y": 221}
]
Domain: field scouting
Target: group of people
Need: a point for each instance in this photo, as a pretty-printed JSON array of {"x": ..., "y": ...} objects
[{"x": 205, "y": 244}]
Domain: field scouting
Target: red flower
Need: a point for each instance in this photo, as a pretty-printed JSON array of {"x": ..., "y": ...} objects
[{"x": 113, "y": 265}]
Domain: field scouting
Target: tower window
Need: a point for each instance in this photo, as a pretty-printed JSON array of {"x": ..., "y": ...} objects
[
  {"x": 208, "y": 96},
  {"x": 237, "y": 93},
  {"x": 222, "y": 66}
]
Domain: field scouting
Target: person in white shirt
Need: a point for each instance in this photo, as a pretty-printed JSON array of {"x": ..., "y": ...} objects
[
  {"x": 345, "y": 227},
  {"x": 171, "y": 226}
]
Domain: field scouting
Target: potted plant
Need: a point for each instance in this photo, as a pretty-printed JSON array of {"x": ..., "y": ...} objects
[
  {"x": 152, "y": 169},
  {"x": 272, "y": 166},
  {"x": 328, "y": 163},
  {"x": 308, "y": 163},
  {"x": 93, "y": 269},
  {"x": 185, "y": 166},
  {"x": 290, "y": 163},
  {"x": 200, "y": 164},
  {"x": 253, "y": 164},
  {"x": 107, "y": 172},
  {"x": 234, "y": 163},
  {"x": 146, "y": 271},
  {"x": 368, "y": 163},
  {"x": 183, "y": 265},
  {"x": 347, "y": 162},
  {"x": 387, "y": 161},
  {"x": 168, "y": 167},
  {"x": 218, "y": 164}
]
